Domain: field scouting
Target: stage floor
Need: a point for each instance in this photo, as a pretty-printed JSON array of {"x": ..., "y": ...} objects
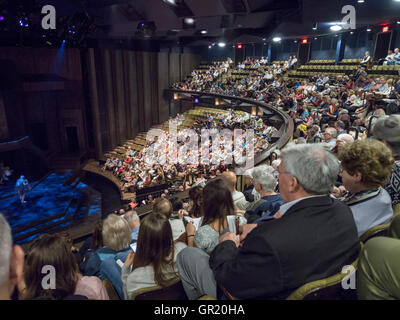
[{"x": 47, "y": 199}]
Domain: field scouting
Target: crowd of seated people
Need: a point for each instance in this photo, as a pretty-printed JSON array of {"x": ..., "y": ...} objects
[
  {"x": 137, "y": 171},
  {"x": 204, "y": 79},
  {"x": 300, "y": 219}
]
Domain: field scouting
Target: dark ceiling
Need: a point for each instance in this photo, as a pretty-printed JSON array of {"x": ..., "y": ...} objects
[{"x": 232, "y": 21}]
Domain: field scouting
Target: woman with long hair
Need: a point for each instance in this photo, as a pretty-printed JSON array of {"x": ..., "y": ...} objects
[
  {"x": 52, "y": 250},
  {"x": 154, "y": 261},
  {"x": 217, "y": 204}
]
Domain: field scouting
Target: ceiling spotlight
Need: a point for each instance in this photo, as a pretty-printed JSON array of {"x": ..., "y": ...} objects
[
  {"x": 170, "y": 2},
  {"x": 315, "y": 25},
  {"x": 276, "y": 39},
  {"x": 351, "y": 32},
  {"x": 398, "y": 21},
  {"x": 315, "y": 38},
  {"x": 360, "y": 1},
  {"x": 295, "y": 41},
  {"x": 189, "y": 20},
  {"x": 264, "y": 39},
  {"x": 203, "y": 31},
  {"x": 221, "y": 44},
  {"x": 209, "y": 47},
  {"x": 336, "y": 27},
  {"x": 368, "y": 29}
]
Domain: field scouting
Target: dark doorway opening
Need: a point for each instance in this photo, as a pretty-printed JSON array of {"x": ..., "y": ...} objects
[{"x": 72, "y": 139}]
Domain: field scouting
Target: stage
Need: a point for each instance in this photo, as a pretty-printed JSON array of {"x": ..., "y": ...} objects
[{"x": 50, "y": 206}]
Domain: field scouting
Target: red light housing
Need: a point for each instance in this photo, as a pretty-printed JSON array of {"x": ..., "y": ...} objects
[
  {"x": 239, "y": 46},
  {"x": 385, "y": 29},
  {"x": 304, "y": 41}
]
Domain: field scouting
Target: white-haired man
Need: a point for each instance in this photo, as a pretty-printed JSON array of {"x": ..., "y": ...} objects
[{"x": 11, "y": 262}]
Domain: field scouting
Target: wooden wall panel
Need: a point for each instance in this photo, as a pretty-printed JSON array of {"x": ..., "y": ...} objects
[
  {"x": 163, "y": 83},
  {"x": 94, "y": 102},
  {"x": 119, "y": 96},
  {"x": 140, "y": 89},
  {"x": 133, "y": 94},
  {"x": 155, "y": 119},
  {"x": 147, "y": 90}
]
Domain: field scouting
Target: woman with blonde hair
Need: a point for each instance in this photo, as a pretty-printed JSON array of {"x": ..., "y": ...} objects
[{"x": 366, "y": 166}]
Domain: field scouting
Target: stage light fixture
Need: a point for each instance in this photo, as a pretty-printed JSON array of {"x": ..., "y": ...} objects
[
  {"x": 196, "y": 100},
  {"x": 304, "y": 41},
  {"x": 369, "y": 29},
  {"x": 203, "y": 31},
  {"x": 221, "y": 44},
  {"x": 315, "y": 26},
  {"x": 385, "y": 29},
  {"x": 209, "y": 47},
  {"x": 189, "y": 20},
  {"x": 360, "y": 1},
  {"x": 239, "y": 45},
  {"x": 276, "y": 39}
]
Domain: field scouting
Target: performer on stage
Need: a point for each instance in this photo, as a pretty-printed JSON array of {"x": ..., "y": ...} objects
[{"x": 22, "y": 186}]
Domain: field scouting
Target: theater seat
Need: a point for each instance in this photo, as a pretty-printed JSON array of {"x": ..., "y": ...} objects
[
  {"x": 377, "y": 231},
  {"x": 112, "y": 293},
  {"x": 326, "y": 289},
  {"x": 173, "y": 291}
]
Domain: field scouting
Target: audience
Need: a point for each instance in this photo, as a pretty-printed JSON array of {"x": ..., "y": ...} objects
[
  {"x": 315, "y": 237},
  {"x": 164, "y": 207}
]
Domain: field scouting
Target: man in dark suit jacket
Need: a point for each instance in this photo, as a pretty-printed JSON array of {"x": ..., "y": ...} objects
[{"x": 314, "y": 238}]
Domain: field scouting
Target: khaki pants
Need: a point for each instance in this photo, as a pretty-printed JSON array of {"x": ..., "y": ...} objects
[{"x": 378, "y": 274}]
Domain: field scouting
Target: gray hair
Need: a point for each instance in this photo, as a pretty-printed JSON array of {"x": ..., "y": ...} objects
[
  {"x": 314, "y": 167},
  {"x": 266, "y": 176},
  {"x": 388, "y": 128},
  {"x": 332, "y": 131},
  {"x": 5, "y": 250},
  {"x": 116, "y": 233}
]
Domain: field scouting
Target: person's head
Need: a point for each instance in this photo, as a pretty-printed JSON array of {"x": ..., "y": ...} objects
[
  {"x": 339, "y": 125},
  {"x": 343, "y": 139},
  {"x": 11, "y": 261},
  {"x": 50, "y": 250},
  {"x": 163, "y": 206},
  {"x": 330, "y": 133},
  {"x": 367, "y": 53},
  {"x": 305, "y": 170},
  {"x": 265, "y": 178},
  {"x": 155, "y": 245},
  {"x": 133, "y": 219},
  {"x": 366, "y": 164},
  {"x": 387, "y": 130},
  {"x": 229, "y": 177},
  {"x": 116, "y": 233},
  {"x": 196, "y": 197},
  {"x": 217, "y": 202}
]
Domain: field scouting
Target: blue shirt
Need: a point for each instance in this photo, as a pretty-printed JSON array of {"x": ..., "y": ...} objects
[
  {"x": 135, "y": 233},
  {"x": 270, "y": 207}
]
